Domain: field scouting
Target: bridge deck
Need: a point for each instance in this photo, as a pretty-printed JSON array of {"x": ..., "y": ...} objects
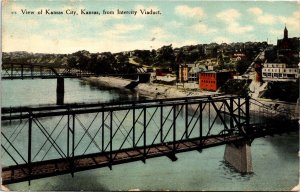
[{"x": 19, "y": 173}]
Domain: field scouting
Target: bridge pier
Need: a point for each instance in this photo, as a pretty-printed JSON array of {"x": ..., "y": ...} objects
[
  {"x": 239, "y": 156},
  {"x": 60, "y": 91}
]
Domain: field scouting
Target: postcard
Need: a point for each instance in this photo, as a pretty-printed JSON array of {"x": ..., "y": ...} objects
[{"x": 150, "y": 95}]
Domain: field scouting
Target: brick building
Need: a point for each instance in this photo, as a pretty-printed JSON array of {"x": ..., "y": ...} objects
[
  {"x": 288, "y": 49},
  {"x": 211, "y": 80}
]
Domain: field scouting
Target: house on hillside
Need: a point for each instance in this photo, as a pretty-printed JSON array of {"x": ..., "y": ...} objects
[{"x": 279, "y": 72}]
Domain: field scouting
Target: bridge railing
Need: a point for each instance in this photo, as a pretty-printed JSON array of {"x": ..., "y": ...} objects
[
  {"x": 64, "y": 132},
  {"x": 24, "y": 71},
  {"x": 263, "y": 113},
  {"x": 30, "y": 71}
]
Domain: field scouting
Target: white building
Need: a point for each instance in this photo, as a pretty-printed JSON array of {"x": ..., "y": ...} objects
[{"x": 279, "y": 72}]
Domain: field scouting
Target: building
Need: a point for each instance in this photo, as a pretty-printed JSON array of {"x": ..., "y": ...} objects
[
  {"x": 163, "y": 72},
  {"x": 258, "y": 70},
  {"x": 193, "y": 75},
  {"x": 279, "y": 72},
  {"x": 238, "y": 57},
  {"x": 288, "y": 49},
  {"x": 183, "y": 73},
  {"x": 211, "y": 80}
]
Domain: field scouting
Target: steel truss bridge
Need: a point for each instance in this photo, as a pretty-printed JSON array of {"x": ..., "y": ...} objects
[
  {"x": 34, "y": 71},
  {"x": 44, "y": 141}
]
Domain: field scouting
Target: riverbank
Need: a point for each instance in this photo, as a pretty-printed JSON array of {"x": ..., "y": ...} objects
[
  {"x": 160, "y": 91},
  {"x": 153, "y": 90}
]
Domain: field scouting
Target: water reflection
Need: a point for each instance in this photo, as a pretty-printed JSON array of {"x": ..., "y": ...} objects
[{"x": 227, "y": 171}]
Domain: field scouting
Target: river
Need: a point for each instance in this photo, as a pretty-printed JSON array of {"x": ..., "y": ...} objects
[{"x": 275, "y": 160}]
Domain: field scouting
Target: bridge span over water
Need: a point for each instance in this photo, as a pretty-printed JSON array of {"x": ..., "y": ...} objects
[
  {"x": 46, "y": 71},
  {"x": 44, "y": 141},
  {"x": 13, "y": 71}
]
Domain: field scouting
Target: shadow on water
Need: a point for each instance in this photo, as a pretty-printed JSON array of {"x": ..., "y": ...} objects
[
  {"x": 131, "y": 93},
  {"x": 62, "y": 183},
  {"x": 227, "y": 171},
  {"x": 285, "y": 144}
]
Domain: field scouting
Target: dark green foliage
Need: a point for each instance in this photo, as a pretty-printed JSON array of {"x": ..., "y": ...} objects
[
  {"x": 236, "y": 87},
  {"x": 79, "y": 60},
  {"x": 284, "y": 91},
  {"x": 54, "y": 60},
  {"x": 145, "y": 57},
  {"x": 165, "y": 57},
  {"x": 104, "y": 63},
  {"x": 242, "y": 66},
  {"x": 271, "y": 55}
]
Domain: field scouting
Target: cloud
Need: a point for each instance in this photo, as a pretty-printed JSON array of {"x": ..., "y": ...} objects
[
  {"x": 123, "y": 28},
  {"x": 120, "y": 32},
  {"x": 266, "y": 19},
  {"x": 60, "y": 21},
  {"x": 230, "y": 17},
  {"x": 38, "y": 44},
  {"x": 202, "y": 28},
  {"x": 193, "y": 12},
  {"x": 276, "y": 32},
  {"x": 181, "y": 43},
  {"x": 261, "y": 17},
  {"x": 221, "y": 39},
  {"x": 291, "y": 22},
  {"x": 175, "y": 24},
  {"x": 269, "y": 19},
  {"x": 255, "y": 11},
  {"x": 160, "y": 33},
  {"x": 138, "y": 7},
  {"x": 237, "y": 29}
]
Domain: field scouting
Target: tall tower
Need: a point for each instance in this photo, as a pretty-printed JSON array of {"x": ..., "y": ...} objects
[{"x": 285, "y": 33}]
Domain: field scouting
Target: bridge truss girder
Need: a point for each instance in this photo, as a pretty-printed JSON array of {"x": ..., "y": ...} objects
[{"x": 46, "y": 141}]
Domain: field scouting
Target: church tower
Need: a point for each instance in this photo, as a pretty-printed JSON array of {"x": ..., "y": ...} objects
[{"x": 285, "y": 36}]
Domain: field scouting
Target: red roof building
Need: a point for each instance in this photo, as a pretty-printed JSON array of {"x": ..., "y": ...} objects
[{"x": 211, "y": 80}]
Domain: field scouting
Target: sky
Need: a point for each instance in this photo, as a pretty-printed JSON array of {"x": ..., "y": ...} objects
[{"x": 180, "y": 23}]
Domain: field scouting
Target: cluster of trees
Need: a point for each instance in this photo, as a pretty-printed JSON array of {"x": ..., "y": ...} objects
[
  {"x": 100, "y": 63},
  {"x": 165, "y": 57},
  {"x": 237, "y": 87},
  {"x": 34, "y": 58},
  {"x": 242, "y": 66},
  {"x": 283, "y": 91}
]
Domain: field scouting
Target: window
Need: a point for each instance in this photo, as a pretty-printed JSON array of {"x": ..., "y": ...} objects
[{"x": 291, "y": 76}]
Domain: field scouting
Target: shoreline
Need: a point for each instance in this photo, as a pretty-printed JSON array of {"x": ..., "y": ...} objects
[
  {"x": 160, "y": 91},
  {"x": 153, "y": 90}
]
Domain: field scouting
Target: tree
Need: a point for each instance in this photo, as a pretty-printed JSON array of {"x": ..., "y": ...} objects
[
  {"x": 79, "y": 60},
  {"x": 242, "y": 66},
  {"x": 103, "y": 63},
  {"x": 165, "y": 57}
]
